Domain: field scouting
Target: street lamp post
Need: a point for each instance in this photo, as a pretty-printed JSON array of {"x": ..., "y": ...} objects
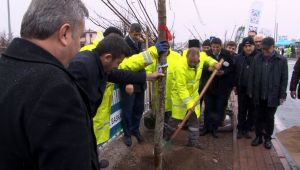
[{"x": 9, "y": 26}]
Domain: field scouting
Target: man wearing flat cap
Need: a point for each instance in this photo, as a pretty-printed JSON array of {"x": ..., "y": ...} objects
[
  {"x": 267, "y": 85},
  {"x": 193, "y": 43},
  {"x": 246, "y": 108}
]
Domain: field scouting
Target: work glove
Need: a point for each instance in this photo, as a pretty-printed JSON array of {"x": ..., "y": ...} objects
[{"x": 162, "y": 47}]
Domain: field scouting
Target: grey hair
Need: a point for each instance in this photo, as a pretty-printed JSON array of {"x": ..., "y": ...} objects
[{"x": 44, "y": 17}]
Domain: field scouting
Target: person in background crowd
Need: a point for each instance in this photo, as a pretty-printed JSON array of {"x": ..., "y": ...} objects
[
  {"x": 252, "y": 34},
  {"x": 231, "y": 47},
  {"x": 245, "y": 103},
  {"x": 267, "y": 85},
  {"x": 257, "y": 40},
  {"x": 205, "y": 48},
  {"x": 295, "y": 81},
  {"x": 282, "y": 51},
  {"x": 293, "y": 52},
  {"x": 215, "y": 97},
  {"x": 132, "y": 104},
  {"x": 193, "y": 43},
  {"x": 206, "y": 45},
  {"x": 133, "y": 38}
]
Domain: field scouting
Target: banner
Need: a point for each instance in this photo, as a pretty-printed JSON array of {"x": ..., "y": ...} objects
[
  {"x": 255, "y": 15},
  {"x": 115, "y": 117},
  {"x": 107, "y": 121}
]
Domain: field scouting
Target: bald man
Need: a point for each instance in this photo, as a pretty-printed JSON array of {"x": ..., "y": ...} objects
[{"x": 257, "y": 40}]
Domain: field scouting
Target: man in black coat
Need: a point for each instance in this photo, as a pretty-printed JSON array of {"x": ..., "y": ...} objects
[
  {"x": 295, "y": 80},
  {"x": 267, "y": 85},
  {"x": 243, "y": 63},
  {"x": 133, "y": 104},
  {"x": 93, "y": 69},
  {"x": 133, "y": 39},
  {"x": 216, "y": 95},
  {"x": 44, "y": 120}
]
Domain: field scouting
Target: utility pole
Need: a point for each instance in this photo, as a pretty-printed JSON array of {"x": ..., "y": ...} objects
[
  {"x": 276, "y": 24},
  {"x": 9, "y": 26},
  {"x": 159, "y": 122}
]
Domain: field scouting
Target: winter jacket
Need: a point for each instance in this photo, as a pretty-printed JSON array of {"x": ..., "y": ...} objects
[
  {"x": 277, "y": 79},
  {"x": 243, "y": 64},
  {"x": 135, "y": 48},
  {"x": 221, "y": 84},
  {"x": 185, "y": 85},
  {"x": 88, "y": 71},
  {"x": 44, "y": 120},
  {"x": 172, "y": 61},
  {"x": 134, "y": 63}
]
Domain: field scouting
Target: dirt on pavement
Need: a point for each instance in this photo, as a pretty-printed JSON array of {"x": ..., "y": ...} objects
[{"x": 217, "y": 154}]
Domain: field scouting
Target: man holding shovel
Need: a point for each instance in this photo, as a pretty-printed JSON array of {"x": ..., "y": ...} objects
[{"x": 184, "y": 92}]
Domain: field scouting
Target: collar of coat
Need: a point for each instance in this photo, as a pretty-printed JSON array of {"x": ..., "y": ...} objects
[
  {"x": 275, "y": 55},
  {"x": 22, "y": 49},
  {"x": 99, "y": 63},
  {"x": 223, "y": 53}
]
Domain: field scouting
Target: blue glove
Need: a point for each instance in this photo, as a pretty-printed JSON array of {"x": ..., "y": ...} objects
[{"x": 162, "y": 47}]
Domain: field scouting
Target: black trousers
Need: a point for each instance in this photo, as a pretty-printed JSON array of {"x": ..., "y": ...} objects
[
  {"x": 132, "y": 112},
  {"x": 246, "y": 112},
  {"x": 264, "y": 119},
  {"x": 214, "y": 110},
  {"x": 226, "y": 103}
]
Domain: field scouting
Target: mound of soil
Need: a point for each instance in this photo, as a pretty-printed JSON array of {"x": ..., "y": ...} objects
[{"x": 217, "y": 154}]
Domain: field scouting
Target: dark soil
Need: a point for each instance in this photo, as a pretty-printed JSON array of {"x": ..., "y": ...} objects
[{"x": 217, "y": 154}]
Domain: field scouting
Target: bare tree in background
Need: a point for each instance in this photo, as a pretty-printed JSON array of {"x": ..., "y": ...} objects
[
  {"x": 4, "y": 41},
  {"x": 127, "y": 13}
]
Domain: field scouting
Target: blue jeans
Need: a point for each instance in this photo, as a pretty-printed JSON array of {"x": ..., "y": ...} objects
[
  {"x": 132, "y": 111},
  {"x": 214, "y": 109}
]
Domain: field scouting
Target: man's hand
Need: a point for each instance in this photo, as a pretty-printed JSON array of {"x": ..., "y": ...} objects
[
  {"x": 129, "y": 89},
  {"x": 154, "y": 76},
  {"x": 293, "y": 94},
  {"x": 282, "y": 101},
  {"x": 217, "y": 66},
  {"x": 220, "y": 72},
  {"x": 162, "y": 47}
]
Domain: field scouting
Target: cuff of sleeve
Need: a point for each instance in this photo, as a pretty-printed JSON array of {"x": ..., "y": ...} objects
[
  {"x": 153, "y": 51},
  {"x": 190, "y": 104},
  {"x": 143, "y": 77}
]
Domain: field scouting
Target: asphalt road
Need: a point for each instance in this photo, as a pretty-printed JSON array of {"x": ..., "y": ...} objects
[{"x": 288, "y": 114}]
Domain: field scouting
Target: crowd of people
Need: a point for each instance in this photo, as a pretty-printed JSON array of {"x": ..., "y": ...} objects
[{"x": 50, "y": 92}]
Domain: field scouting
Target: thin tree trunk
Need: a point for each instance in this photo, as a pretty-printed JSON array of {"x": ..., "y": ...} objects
[{"x": 159, "y": 124}]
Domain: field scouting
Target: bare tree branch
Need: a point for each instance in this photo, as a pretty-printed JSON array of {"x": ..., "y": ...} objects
[{"x": 146, "y": 13}]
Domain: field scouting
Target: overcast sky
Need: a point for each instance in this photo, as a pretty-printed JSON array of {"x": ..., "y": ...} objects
[{"x": 218, "y": 16}]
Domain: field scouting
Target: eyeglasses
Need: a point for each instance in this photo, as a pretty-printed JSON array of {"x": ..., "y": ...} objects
[{"x": 257, "y": 41}]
